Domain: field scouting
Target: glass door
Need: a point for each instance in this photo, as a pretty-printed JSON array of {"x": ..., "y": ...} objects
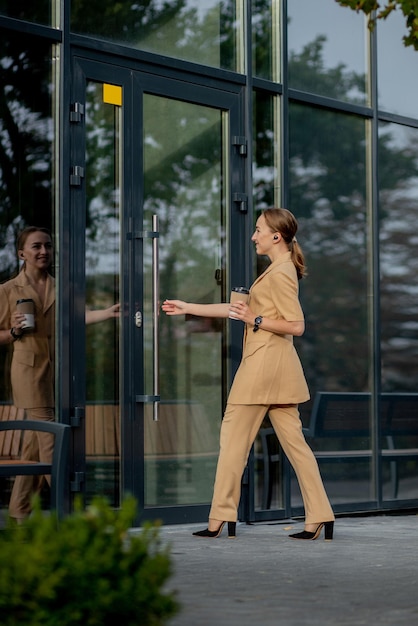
[
  {"x": 157, "y": 212},
  {"x": 185, "y": 183},
  {"x": 103, "y": 267}
]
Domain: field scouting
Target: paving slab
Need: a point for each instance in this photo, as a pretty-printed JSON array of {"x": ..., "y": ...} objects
[{"x": 367, "y": 575}]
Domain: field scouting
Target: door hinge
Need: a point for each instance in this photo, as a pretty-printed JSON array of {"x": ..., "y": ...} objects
[
  {"x": 242, "y": 200},
  {"x": 78, "y": 480},
  {"x": 76, "y": 174},
  {"x": 240, "y": 141},
  {"x": 76, "y": 112},
  {"x": 78, "y": 414}
]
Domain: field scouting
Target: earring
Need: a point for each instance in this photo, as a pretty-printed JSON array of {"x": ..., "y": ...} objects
[{"x": 275, "y": 237}]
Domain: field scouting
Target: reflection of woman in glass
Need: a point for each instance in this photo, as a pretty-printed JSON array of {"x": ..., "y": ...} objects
[
  {"x": 270, "y": 379},
  {"x": 32, "y": 367}
]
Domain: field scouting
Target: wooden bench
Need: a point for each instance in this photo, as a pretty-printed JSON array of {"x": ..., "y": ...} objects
[
  {"x": 182, "y": 430},
  {"x": 339, "y": 431},
  {"x": 102, "y": 431},
  {"x": 346, "y": 416},
  {"x": 182, "y": 440}
]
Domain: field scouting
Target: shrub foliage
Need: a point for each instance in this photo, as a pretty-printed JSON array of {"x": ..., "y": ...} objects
[{"x": 87, "y": 570}]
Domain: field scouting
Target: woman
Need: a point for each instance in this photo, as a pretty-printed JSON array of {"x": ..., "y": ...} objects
[
  {"x": 32, "y": 367},
  {"x": 269, "y": 379}
]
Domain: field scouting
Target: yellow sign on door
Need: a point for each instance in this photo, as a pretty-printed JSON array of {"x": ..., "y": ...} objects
[{"x": 112, "y": 94}]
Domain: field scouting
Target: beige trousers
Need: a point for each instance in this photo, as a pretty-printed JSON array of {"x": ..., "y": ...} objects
[
  {"x": 35, "y": 447},
  {"x": 239, "y": 428}
]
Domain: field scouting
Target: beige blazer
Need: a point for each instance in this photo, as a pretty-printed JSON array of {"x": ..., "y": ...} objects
[
  {"x": 32, "y": 368},
  {"x": 270, "y": 371}
]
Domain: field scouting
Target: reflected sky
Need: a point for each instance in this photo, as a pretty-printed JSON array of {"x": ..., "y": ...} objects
[
  {"x": 397, "y": 68},
  {"x": 344, "y": 31},
  {"x": 346, "y": 43}
]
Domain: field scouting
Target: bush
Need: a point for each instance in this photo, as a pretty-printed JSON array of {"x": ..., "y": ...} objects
[{"x": 87, "y": 570}]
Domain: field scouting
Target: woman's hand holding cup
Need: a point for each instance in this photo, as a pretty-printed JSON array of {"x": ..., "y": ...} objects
[{"x": 239, "y": 295}]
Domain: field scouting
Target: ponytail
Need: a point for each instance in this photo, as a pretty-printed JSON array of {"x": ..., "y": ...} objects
[{"x": 298, "y": 259}]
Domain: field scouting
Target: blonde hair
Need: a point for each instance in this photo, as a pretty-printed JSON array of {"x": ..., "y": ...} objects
[{"x": 284, "y": 222}]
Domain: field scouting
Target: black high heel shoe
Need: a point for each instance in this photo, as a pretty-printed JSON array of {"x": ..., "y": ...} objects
[
  {"x": 306, "y": 534},
  {"x": 216, "y": 533}
]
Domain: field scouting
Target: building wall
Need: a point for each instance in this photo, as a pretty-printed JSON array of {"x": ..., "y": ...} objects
[{"x": 331, "y": 124}]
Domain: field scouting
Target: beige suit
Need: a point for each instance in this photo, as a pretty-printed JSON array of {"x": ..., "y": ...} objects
[
  {"x": 270, "y": 371},
  {"x": 269, "y": 379},
  {"x": 32, "y": 379},
  {"x": 32, "y": 369}
]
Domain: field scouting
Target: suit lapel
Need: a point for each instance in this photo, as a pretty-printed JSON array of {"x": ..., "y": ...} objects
[
  {"x": 22, "y": 281},
  {"x": 49, "y": 294}
]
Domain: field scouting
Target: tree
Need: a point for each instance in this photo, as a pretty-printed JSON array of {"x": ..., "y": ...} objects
[{"x": 408, "y": 7}]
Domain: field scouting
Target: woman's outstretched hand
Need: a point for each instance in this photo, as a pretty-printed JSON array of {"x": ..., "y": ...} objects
[{"x": 174, "y": 307}]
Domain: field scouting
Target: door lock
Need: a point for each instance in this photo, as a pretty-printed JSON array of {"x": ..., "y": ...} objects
[{"x": 138, "y": 319}]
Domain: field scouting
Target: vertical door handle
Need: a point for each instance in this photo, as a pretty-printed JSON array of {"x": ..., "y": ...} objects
[
  {"x": 155, "y": 397},
  {"x": 156, "y": 318}
]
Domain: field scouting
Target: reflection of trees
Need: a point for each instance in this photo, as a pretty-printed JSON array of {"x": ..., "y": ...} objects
[
  {"x": 399, "y": 264},
  {"x": 25, "y": 141},
  {"x": 177, "y": 28},
  {"x": 308, "y": 72},
  {"x": 183, "y": 186},
  {"x": 102, "y": 182},
  {"x": 102, "y": 242},
  {"x": 328, "y": 194},
  {"x": 25, "y": 149},
  {"x": 327, "y": 178}
]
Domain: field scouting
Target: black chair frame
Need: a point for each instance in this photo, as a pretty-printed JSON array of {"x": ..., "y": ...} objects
[{"x": 57, "y": 469}]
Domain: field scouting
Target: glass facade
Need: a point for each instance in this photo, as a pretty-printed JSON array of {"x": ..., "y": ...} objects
[
  {"x": 398, "y": 164},
  {"x": 27, "y": 190},
  {"x": 265, "y": 30},
  {"x": 202, "y": 32},
  {"x": 27, "y": 149},
  {"x": 266, "y": 166},
  {"x": 397, "y": 93},
  {"x": 42, "y": 12},
  {"x": 148, "y": 152},
  {"x": 327, "y": 51},
  {"x": 329, "y": 196}
]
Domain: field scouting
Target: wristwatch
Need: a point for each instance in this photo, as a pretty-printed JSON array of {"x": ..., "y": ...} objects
[
  {"x": 15, "y": 336},
  {"x": 258, "y": 320}
]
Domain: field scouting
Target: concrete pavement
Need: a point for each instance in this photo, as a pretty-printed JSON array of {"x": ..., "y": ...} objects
[{"x": 367, "y": 575}]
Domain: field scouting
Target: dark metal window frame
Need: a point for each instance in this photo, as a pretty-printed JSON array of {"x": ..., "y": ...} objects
[{"x": 226, "y": 80}]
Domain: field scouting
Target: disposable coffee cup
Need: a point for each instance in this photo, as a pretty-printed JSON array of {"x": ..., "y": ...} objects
[
  {"x": 27, "y": 307},
  {"x": 239, "y": 293}
]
